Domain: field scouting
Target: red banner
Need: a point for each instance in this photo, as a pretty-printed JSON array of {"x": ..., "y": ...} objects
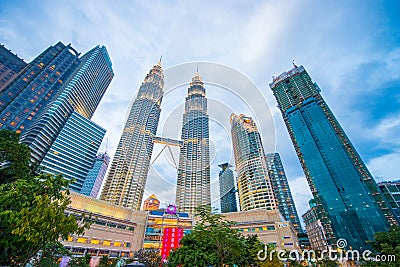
[{"x": 170, "y": 240}]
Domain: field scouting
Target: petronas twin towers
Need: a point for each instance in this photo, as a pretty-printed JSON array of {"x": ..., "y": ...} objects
[{"x": 128, "y": 174}]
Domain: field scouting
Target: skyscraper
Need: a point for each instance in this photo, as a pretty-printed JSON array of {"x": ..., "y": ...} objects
[
  {"x": 227, "y": 192},
  {"x": 391, "y": 190},
  {"x": 81, "y": 93},
  {"x": 95, "y": 176},
  {"x": 38, "y": 84},
  {"x": 281, "y": 189},
  {"x": 254, "y": 184},
  {"x": 73, "y": 152},
  {"x": 10, "y": 66},
  {"x": 128, "y": 173},
  {"x": 193, "y": 184},
  {"x": 343, "y": 188},
  {"x": 314, "y": 227}
]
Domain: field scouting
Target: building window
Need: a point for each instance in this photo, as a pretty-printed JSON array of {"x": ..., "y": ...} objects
[
  {"x": 70, "y": 239},
  {"x": 82, "y": 240},
  {"x": 95, "y": 241},
  {"x": 107, "y": 243},
  {"x": 117, "y": 244}
]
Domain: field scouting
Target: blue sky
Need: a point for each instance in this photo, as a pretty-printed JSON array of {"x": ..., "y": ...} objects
[{"x": 350, "y": 48}]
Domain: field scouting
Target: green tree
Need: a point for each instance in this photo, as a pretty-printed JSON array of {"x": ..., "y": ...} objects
[
  {"x": 80, "y": 261},
  {"x": 14, "y": 158},
  {"x": 149, "y": 256},
  {"x": 51, "y": 254},
  {"x": 386, "y": 244},
  {"x": 31, "y": 206},
  {"x": 254, "y": 246},
  {"x": 214, "y": 242}
]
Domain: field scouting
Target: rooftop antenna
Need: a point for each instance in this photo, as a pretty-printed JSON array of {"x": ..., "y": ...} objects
[
  {"x": 159, "y": 62},
  {"x": 294, "y": 65},
  {"x": 106, "y": 145}
]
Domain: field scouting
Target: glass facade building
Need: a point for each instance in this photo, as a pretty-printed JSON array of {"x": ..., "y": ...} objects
[
  {"x": 391, "y": 190},
  {"x": 281, "y": 189},
  {"x": 344, "y": 190},
  {"x": 227, "y": 192},
  {"x": 81, "y": 93},
  {"x": 10, "y": 66},
  {"x": 95, "y": 177},
  {"x": 314, "y": 227},
  {"x": 193, "y": 183},
  {"x": 254, "y": 185},
  {"x": 27, "y": 96},
  {"x": 74, "y": 150},
  {"x": 127, "y": 177}
]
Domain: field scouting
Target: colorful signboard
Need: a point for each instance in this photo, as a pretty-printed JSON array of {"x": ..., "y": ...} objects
[{"x": 170, "y": 240}]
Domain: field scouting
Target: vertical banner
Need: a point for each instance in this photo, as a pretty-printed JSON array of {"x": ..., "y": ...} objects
[{"x": 170, "y": 240}]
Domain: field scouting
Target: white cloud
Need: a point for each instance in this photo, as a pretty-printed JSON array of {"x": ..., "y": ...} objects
[
  {"x": 386, "y": 167},
  {"x": 301, "y": 194}
]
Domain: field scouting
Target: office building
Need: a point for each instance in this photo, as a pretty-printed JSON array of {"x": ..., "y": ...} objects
[
  {"x": 81, "y": 93},
  {"x": 254, "y": 185},
  {"x": 391, "y": 190},
  {"x": 10, "y": 66},
  {"x": 115, "y": 231},
  {"x": 73, "y": 152},
  {"x": 351, "y": 205},
  {"x": 193, "y": 183},
  {"x": 281, "y": 188},
  {"x": 127, "y": 177},
  {"x": 268, "y": 225},
  {"x": 151, "y": 203},
  {"x": 27, "y": 96},
  {"x": 315, "y": 228},
  {"x": 94, "y": 179},
  {"x": 227, "y": 192}
]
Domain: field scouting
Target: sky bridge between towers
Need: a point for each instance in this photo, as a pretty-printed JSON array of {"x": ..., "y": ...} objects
[{"x": 167, "y": 141}]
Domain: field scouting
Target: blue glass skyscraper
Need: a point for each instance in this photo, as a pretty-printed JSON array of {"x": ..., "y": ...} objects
[
  {"x": 28, "y": 95},
  {"x": 50, "y": 103},
  {"x": 73, "y": 152},
  {"x": 344, "y": 190},
  {"x": 281, "y": 188},
  {"x": 81, "y": 93},
  {"x": 227, "y": 192},
  {"x": 391, "y": 190},
  {"x": 95, "y": 177},
  {"x": 10, "y": 66}
]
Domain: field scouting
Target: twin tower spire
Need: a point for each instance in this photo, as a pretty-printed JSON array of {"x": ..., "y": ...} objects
[{"x": 126, "y": 180}]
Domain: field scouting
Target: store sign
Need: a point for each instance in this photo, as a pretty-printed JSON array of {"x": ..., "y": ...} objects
[{"x": 170, "y": 240}]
